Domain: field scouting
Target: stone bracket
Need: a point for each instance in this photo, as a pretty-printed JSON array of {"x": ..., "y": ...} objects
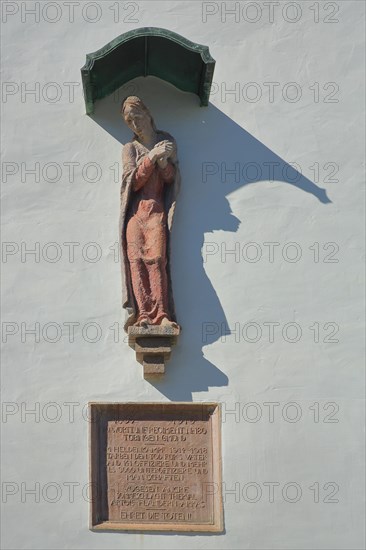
[{"x": 153, "y": 346}]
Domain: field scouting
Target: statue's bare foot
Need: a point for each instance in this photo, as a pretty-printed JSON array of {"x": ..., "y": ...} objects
[
  {"x": 143, "y": 323},
  {"x": 166, "y": 323}
]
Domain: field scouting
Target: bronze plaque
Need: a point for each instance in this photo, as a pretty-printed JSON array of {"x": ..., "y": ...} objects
[{"x": 155, "y": 466}]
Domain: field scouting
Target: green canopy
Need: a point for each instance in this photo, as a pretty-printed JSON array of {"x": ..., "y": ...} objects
[{"x": 147, "y": 51}]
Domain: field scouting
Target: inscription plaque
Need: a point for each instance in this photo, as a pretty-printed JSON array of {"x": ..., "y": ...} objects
[{"x": 155, "y": 466}]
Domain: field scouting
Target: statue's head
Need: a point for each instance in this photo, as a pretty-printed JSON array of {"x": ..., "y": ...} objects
[{"x": 137, "y": 116}]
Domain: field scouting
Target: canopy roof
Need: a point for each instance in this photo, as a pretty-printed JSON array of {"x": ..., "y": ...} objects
[{"x": 147, "y": 51}]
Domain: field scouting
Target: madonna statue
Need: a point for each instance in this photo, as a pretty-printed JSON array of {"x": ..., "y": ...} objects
[{"x": 150, "y": 185}]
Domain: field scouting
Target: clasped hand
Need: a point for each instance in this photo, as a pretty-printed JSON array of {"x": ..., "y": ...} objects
[{"x": 161, "y": 152}]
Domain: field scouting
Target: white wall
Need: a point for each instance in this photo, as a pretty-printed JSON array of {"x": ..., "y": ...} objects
[{"x": 315, "y": 382}]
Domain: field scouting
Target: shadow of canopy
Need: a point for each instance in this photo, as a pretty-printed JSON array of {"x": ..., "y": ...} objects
[{"x": 217, "y": 157}]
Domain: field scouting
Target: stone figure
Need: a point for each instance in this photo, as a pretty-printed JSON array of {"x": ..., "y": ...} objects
[{"x": 150, "y": 185}]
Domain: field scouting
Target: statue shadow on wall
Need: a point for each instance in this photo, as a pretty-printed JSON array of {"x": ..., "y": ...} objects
[{"x": 206, "y": 137}]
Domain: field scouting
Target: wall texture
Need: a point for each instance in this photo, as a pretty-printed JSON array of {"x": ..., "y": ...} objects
[{"x": 267, "y": 266}]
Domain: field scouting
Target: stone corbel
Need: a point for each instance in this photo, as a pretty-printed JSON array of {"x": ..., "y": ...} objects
[{"x": 153, "y": 346}]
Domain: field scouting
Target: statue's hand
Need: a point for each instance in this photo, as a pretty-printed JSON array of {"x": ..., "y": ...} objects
[{"x": 162, "y": 150}]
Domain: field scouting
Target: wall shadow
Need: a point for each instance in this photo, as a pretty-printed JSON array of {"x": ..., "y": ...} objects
[{"x": 217, "y": 156}]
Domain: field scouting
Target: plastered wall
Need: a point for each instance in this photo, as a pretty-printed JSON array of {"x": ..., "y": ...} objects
[{"x": 267, "y": 266}]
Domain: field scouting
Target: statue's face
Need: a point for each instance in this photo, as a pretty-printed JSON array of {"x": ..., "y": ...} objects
[{"x": 137, "y": 120}]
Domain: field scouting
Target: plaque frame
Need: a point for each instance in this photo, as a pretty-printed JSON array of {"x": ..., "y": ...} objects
[{"x": 98, "y": 523}]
